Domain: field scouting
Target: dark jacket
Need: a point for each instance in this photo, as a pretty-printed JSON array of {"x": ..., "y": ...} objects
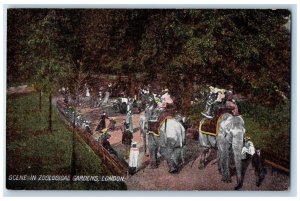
[
  {"x": 127, "y": 135},
  {"x": 258, "y": 162},
  {"x": 102, "y": 123}
]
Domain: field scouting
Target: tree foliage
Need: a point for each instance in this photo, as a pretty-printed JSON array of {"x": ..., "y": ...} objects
[
  {"x": 41, "y": 55},
  {"x": 246, "y": 48}
]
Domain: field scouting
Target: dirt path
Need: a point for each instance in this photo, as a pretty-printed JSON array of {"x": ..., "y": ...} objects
[
  {"x": 23, "y": 89},
  {"x": 192, "y": 178}
]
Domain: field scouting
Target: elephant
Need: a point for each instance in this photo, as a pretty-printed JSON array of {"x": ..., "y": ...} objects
[
  {"x": 229, "y": 139},
  {"x": 169, "y": 143}
]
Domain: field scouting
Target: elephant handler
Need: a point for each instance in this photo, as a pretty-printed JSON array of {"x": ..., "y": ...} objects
[
  {"x": 248, "y": 149},
  {"x": 258, "y": 162}
]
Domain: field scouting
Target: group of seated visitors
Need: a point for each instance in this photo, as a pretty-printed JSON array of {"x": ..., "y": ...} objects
[
  {"x": 163, "y": 104},
  {"x": 219, "y": 100}
]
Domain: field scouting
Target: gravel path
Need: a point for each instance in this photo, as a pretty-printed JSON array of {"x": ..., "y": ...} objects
[{"x": 192, "y": 178}]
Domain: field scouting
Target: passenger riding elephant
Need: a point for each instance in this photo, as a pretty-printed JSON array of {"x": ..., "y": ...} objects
[
  {"x": 229, "y": 140},
  {"x": 170, "y": 143}
]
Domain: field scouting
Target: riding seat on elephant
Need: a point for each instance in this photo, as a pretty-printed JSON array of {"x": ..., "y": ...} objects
[
  {"x": 158, "y": 118},
  {"x": 210, "y": 126}
]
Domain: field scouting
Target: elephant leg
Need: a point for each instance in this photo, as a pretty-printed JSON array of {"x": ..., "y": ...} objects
[
  {"x": 144, "y": 142},
  {"x": 207, "y": 156},
  {"x": 173, "y": 164},
  {"x": 237, "y": 153},
  {"x": 182, "y": 154},
  {"x": 172, "y": 167},
  {"x": 203, "y": 157},
  {"x": 171, "y": 159},
  {"x": 224, "y": 164},
  {"x": 153, "y": 149},
  {"x": 178, "y": 155},
  {"x": 238, "y": 164},
  {"x": 219, "y": 162},
  {"x": 171, "y": 155}
]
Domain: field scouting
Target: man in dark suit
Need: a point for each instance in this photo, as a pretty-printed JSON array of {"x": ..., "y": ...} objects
[{"x": 258, "y": 162}]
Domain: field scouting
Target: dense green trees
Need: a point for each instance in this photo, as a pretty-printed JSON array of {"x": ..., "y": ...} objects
[
  {"x": 41, "y": 59},
  {"x": 247, "y": 49}
]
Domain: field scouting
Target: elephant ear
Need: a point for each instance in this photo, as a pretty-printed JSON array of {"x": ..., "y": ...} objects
[
  {"x": 238, "y": 123},
  {"x": 226, "y": 125}
]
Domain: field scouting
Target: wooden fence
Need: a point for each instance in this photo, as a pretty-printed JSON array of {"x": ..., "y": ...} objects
[{"x": 111, "y": 161}]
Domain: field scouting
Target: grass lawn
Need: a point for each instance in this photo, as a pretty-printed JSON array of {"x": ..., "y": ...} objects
[{"x": 32, "y": 150}]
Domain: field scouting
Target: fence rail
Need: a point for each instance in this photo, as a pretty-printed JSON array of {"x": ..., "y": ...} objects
[{"x": 277, "y": 166}]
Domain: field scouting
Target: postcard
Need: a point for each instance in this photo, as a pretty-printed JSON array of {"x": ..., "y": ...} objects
[{"x": 148, "y": 99}]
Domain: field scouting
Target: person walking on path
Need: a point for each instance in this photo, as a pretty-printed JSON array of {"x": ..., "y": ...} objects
[
  {"x": 127, "y": 137},
  {"x": 258, "y": 162},
  {"x": 129, "y": 116},
  {"x": 102, "y": 123}
]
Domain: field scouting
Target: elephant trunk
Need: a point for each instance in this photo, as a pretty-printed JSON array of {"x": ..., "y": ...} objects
[{"x": 237, "y": 146}]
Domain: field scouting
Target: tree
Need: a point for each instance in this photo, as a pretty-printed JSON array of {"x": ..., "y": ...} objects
[
  {"x": 18, "y": 21},
  {"x": 216, "y": 47},
  {"x": 44, "y": 58}
]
